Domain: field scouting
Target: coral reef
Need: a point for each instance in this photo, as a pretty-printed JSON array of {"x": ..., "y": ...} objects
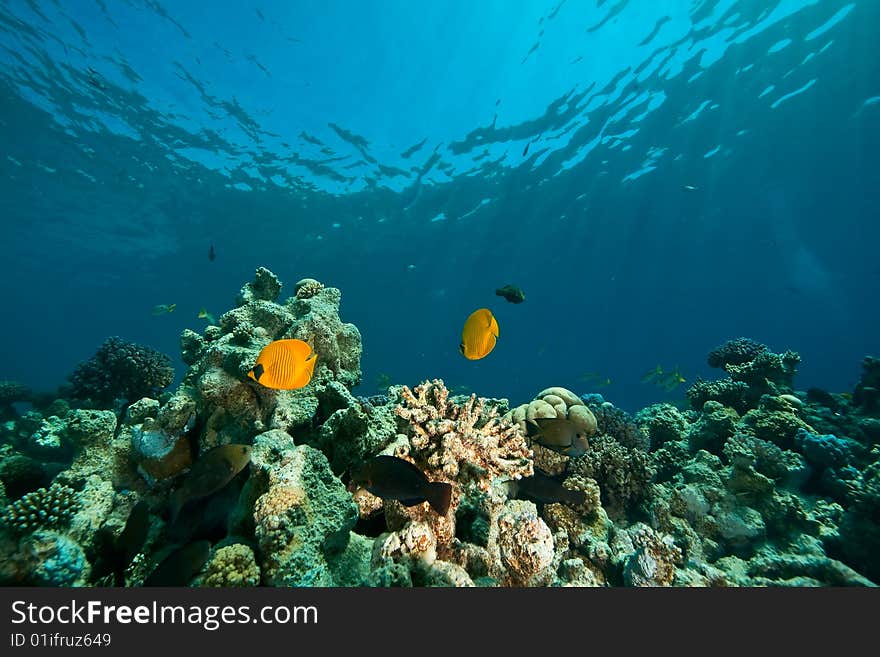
[
  {"x": 121, "y": 369},
  {"x": 758, "y": 484},
  {"x": 866, "y": 396},
  {"x": 616, "y": 422},
  {"x": 753, "y": 371},
  {"x": 662, "y": 423}
]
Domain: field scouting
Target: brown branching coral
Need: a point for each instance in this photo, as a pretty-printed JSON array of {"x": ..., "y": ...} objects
[
  {"x": 467, "y": 444},
  {"x": 307, "y": 288}
]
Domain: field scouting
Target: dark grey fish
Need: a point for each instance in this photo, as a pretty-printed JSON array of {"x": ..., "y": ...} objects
[
  {"x": 179, "y": 567},
  {"x": 546, "y": 490},
  {"x": 393, "y": 478}
]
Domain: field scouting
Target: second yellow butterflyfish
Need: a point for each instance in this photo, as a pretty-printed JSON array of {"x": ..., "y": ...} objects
[{"x": 479, "y": 334}]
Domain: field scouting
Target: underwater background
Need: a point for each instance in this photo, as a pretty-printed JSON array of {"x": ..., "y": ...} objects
[{"x": 658, "y": 177}]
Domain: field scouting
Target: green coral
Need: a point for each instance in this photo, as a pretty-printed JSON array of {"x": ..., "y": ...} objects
[
  {"x": 774, "y": 420},
  {"x": 662, "y": 422},
  {"x": 715, "y": 425},
  {"x": 44, "y": 507}
]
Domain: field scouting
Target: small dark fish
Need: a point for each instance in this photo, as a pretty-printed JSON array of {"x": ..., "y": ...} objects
[
  {"x": 512, "y": 293},
  {"x": 526, "y": 149},
  {"x": 211, "y": 254},
  {"x": 179, "y": 567},
  {"x": 558, "y": 434},
  {"x": 544, "y": 489},
  {"x": 392, "y": 478},
  {"x": 210, "y": 473}
]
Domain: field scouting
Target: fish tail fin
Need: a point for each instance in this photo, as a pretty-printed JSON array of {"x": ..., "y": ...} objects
[{"x": 439, "y": 496}]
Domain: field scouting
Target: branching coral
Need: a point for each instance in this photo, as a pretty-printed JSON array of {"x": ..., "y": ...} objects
[
  {"x": 44, "y": 507},
  {"x": 468, "y": 444},
  {"x": 121, "y": 369},
  {"x": 307, "y": 288}
]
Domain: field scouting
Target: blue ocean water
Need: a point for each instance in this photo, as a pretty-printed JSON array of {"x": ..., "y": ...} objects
[{"x": 656, "y": 176}]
